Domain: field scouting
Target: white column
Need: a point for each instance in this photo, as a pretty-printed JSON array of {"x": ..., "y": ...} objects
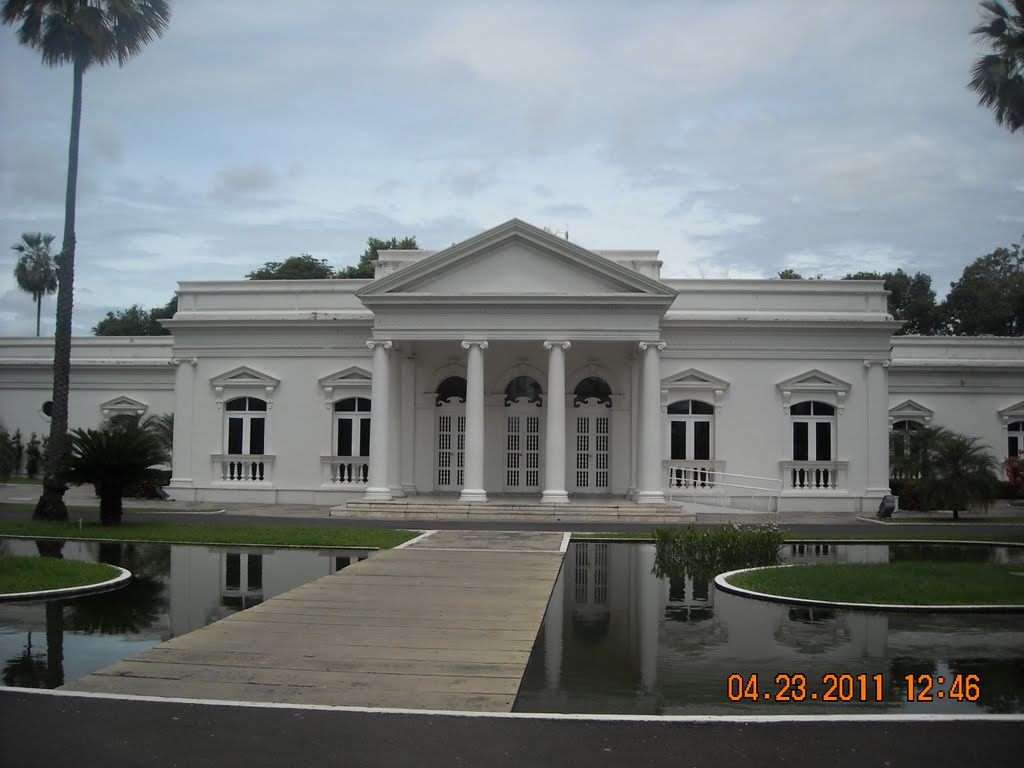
[
  {"x": 181, "y": 448},
  {"x": 408, "y": 432},
  {"x": 877, "y": 431},
  {"x": 380, "y": 412},
  {"x": 554, "y": 447},
  {"x": 648, "y": 472},
  {"x": 395, "y": 428},
  {"x": 473, "y": 485}
]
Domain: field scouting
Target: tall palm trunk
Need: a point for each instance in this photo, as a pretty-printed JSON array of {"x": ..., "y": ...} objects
[
  {"x": 39, "y": 311},
  {"x": 51, "y": 504}
]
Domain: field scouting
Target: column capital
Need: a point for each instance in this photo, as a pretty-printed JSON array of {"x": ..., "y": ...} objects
[
  {"x": 467, "y": 343},
  {"x": 563, "y": 344},
  {"x": 656, "y": 343},
  {"x": 386, "y": 343}
]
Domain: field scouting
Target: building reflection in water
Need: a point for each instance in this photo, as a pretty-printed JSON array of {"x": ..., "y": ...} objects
[{"x": 616, "y": 638}]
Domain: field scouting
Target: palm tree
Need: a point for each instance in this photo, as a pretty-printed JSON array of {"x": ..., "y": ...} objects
[
  {"x": 35, "y": 270},
  {"x": 111, "y": 458},
  {"x": 998, "y": 77},
  {"x": 82, "y": 33}
]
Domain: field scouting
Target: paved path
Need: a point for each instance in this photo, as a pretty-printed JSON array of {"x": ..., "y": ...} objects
[{"x": 446, "y": 623}]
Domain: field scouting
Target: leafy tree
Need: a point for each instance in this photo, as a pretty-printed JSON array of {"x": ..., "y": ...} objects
[
  {"x": 111, "y": 458},
  {"x": 790, "y": 274},
  {"x": 18, "y": 447},
  {"x": 136, "y": 321},
  {"x": 302, "y": 267},
  {"x": 950, "y": 470},
  {"x": 365, "y": 268},
  {"x": 911, "y": 299},
  {"x": 998, "y": 77},
  {"x": 82, "y": 33},
  {"x": 7, "y": 467},
  {"x": 35, "y": 271},
  {"x": 33, "y": 456},
  {"x": 989, "y": 296}
]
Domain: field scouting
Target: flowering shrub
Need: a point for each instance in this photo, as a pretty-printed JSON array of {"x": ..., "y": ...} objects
[{"x": 1014, "y": 467}]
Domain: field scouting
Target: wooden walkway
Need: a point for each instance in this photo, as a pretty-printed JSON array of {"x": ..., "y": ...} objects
[{"x": 447, "y": 623}]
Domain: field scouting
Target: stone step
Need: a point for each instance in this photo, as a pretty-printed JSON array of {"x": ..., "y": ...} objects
[{"x": 505, "y": 511}]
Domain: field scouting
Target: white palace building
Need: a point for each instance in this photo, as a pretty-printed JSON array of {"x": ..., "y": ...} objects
[{"x": 519, "y": 364}]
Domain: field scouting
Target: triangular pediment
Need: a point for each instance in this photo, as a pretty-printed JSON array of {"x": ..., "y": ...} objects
[
  {"x": 1013, "y": 413},
  {"x": 244, "y": 376},
  {"x": 353, "y": 376},
  {"x": 694, "y": 379},
  {"x": 814, "y": 381},
  {"x": 515, "y": 259},
  {"x": 910, "y": 409},
  {"x": 123, "y": 404}
]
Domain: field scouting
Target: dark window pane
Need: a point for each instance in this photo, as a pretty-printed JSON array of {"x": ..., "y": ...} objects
[
  {"x": 256, "y": 430},
  {"x": 235, "y": 435},
  {"x": 823, "y": 441},
  {"x": 363, "y": 404},
  {"x": 800, "y": 441},
  {"x": 344, "y": 437},
  {"x": 701, "y": 408},
  {"x": 364, "y": 437},
  {"x": 678, "y": 440},
  {"x": 1012, "y": 446},
  {"x": 232, "y": 571},
  {"x": 1016, "y": 426},
  {"x": 238, "y": 404},
  {"x": 702, "y": 440},
  {"x": 679, "y": 406},
  {"x": 595, "y": 388},
  {"x": 452, "y": 387},
  {"x": 824, "y": 409},
  {"x": 801, "y": 409},
  {"x": 525, "y": 387},
  {"x": 255, "y": 571},
  {"x": 701, "y": 589},
  {"x": 345, "y": 406},
  {"x": 255, "y": 404}
]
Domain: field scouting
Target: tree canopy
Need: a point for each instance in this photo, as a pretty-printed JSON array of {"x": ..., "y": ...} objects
[
  {"x": 301, "y": 267},
  {"x": 136, "y": 321},
  {"x": 911, "y": 299},
  {"x": 989, "y": 296},
  {"x": 36, "y": 270},
  {"x": 998, "y": 76},
  {"x": 365, "y": 268}
]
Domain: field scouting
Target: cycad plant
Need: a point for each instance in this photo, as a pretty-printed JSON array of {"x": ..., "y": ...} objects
[
  {"x": 111, "y": 458},
  {"x": 949, "y": 470}
]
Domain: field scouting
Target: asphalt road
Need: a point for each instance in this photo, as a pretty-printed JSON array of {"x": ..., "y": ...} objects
[{"x": 48, "y": 730}]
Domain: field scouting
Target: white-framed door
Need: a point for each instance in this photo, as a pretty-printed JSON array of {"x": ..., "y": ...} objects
[
  {"x": 522, "y": 449},
  {"x": 591, "y": 464},
  {"x": 450, "y": 447}
]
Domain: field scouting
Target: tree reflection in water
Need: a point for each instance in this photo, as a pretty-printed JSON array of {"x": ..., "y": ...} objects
[{"x": 133, "y": 608}]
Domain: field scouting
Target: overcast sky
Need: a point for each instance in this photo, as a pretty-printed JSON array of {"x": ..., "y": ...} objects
[{"x": 739, "y": 138}]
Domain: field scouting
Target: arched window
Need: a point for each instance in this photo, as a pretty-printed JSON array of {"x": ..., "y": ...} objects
[
  {"x": 352, "y": 427},
  {"x": 524, "y": 389},
  {"x": 245, "y": 428},
  {"x": 592, "y": 389},
  {"x": 813, "y": 431},
  {"x": 452, "y": 387},
  {"x": 691, "y": 433},
  {"x": 1015, "y": 439}
]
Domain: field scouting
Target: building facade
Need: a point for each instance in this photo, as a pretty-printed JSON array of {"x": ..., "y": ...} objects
[{"x": 518, "y": 363}]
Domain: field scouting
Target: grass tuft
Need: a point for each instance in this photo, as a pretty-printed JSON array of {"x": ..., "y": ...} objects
[{"x": 32, "y": 574}]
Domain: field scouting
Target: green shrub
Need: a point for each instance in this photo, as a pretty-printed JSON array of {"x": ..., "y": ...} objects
[
  {"x": 33, "y": 456},
  {"x": 704, "y": 553}
]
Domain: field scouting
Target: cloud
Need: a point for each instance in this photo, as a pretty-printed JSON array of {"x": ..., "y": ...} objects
[{"x": 238, "y": 181}]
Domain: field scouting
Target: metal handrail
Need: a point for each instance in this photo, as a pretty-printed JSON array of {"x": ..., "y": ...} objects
[{"x": 698, "y": 476}]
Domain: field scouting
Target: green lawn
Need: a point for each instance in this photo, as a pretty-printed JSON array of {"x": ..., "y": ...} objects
[
  {"x": 212, "y": 533},
  {"x": 903, "y": 583},
  {"x": 31, "y": 574}
]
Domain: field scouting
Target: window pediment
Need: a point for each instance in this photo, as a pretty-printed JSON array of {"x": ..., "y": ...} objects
[
  {"x": 123, "y": 405},
  {"x": 693, "y": 384},
  {"x": 244, "y": 380},
  {"x": 1013, "y": 413},
  {"x": 814, "y": 385},
  {"x": 910, "y": 410},
  {"x": 345, "y": 383}
]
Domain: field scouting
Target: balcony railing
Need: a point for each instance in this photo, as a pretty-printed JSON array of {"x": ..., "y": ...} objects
[
  {"x": 696, "y": 475},
  {"x": 345, "y": 470},
  {"x": 827, "y": 476},
  {"x": 242, "y": 468}
]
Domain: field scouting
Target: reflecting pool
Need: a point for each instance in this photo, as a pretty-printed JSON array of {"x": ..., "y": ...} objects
[
  {"x": 617, "y": 639},
  {"x": 176, "y": 588}
]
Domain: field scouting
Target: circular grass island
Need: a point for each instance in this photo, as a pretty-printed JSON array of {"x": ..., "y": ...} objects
[
  {"x": 901, "y": 586},
  {"x": 48, "y": 578}
]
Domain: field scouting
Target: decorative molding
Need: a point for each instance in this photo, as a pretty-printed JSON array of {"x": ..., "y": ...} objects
[
  {"x": 910, "y": 410},
  {"x": 245, "y": 378},
  {"x": 351, "y": 381},
  {"x": 386, "y": 343},
  {"x": 660, "y": 345},
  {"x": 123, "y": 405},
  {"x": 812, "y": 385},
  {"x": 562, "y": 344},
  {"x": 467, "y": 343},
  {"x": 1014, "y": 413}
]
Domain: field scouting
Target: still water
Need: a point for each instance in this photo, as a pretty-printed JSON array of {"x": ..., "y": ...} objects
[
  {"x": 617, "y": 639},
  {"x": 175, "y": 589}
]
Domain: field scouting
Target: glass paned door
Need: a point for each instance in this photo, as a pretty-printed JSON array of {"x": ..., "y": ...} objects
[
  {"x": 592, "y": 451},
  {"x": 522, "y": 453},
  {"x": 451, "y": 447}
]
